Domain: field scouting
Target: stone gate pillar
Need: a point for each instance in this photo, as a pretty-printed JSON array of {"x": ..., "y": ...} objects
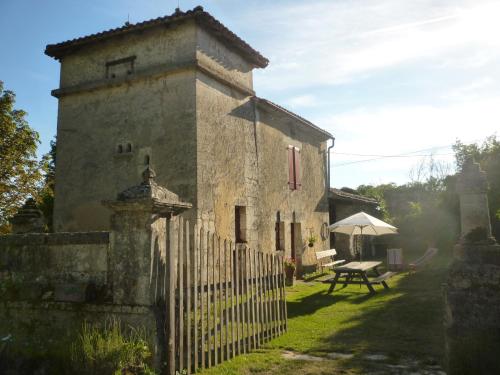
[
  {"x": 472, "y": 289},
  {"x": 472, "y": 187},
  {"x": 139, "y": 224}
]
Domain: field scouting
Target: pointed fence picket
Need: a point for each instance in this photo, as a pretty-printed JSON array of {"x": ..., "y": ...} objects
[{"x": 223, "y": 299}]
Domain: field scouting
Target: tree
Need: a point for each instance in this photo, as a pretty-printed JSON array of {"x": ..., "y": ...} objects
[
  {"x": 20, "y": 174},
  {"x": 45, "y": 197}
]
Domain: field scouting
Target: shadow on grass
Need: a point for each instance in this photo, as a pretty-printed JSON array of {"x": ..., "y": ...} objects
[
  {"x": 312, "y": 302},
  {"x": 405, "y": 321}
]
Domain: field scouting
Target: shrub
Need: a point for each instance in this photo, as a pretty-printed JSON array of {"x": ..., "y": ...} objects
[
  {"x": 476, "y": 235},
  {"x": 108, "y": 350}
]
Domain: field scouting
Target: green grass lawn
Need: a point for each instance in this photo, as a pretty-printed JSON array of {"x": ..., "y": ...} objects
[{"x": 403, "y": 323}]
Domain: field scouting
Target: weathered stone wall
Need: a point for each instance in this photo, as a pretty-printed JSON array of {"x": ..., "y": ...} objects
[
  {"x": 472, "y": 315},
  {"x": 213, "y": 54},
  {"x": 154, "y": 113},
  {"x": 307, "y": 206},
  {"x": 40, "y": 334},
  {"x": 472, "y": 289},
  {"x": 226, "y": 176},
  {"x": 199, "y": 128},
  {"x": 51, "y": 266},
  {"x": 167, "y": 47}
]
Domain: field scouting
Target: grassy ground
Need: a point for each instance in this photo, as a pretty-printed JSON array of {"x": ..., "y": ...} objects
[{"x": 404, "y": 323}]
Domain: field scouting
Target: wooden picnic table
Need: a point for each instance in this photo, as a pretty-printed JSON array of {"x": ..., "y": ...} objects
[{"x": 358, "y": 270}]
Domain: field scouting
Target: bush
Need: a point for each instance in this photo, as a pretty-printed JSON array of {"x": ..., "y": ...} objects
[{"x": 108, "y": 350}]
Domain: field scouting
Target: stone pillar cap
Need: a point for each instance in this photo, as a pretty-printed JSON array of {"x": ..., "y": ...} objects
[
  {"x": 472, "y": 179},
  {"x": 28, "y": 219},
  {"x": 148, "y": 194}
]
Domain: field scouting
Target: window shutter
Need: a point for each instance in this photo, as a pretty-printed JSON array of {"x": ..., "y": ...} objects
[
  {"x": 291, "y": 168},
  {"x": 298, "y": 180}
]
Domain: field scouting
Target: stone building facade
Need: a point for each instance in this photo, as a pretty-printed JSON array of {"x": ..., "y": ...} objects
[{"x": 177, "y": 93}]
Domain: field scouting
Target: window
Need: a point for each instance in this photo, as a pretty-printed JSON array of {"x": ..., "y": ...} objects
[
  {"x": 120, "y": 67},
  {"x": 295, "y": 239},
  {"x": 240, "y": 224},
  {"x": 125, "y": 149},
  {"x": 294, "y": 172},
  {"x": 280, "y": 233}
]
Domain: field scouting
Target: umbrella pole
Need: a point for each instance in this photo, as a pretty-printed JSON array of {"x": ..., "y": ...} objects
[{"x": 361, "y": 248}]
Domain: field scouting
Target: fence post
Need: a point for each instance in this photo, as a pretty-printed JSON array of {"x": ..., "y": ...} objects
[
  {"x": 202, "y": 294},
  {"x": 171, "y": 297},
  {"x": 196, "y": 254},
  {"x": 188, "y": 251}
]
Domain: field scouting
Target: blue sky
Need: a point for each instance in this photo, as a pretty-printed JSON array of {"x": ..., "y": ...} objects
[{"x": 386, "y": 77}]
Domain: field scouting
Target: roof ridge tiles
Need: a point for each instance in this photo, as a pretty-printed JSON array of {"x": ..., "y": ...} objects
[{"x": 198, "y": 14}]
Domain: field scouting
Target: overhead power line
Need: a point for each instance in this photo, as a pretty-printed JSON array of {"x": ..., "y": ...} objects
[
  {"x": 406, "y": 154},
  {"x": 392, "y": 156}
]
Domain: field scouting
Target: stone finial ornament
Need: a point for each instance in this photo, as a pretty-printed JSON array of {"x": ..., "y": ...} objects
[
  {"x": 29, "y": 219},
  {"x": 149, "y": 195},
  {"x": 472, "y": 179}
]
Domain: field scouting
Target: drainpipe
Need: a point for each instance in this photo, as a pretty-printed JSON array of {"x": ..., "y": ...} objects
[
  {"x": 328, "y": 172},
  {"x": 328, "y": 186}
]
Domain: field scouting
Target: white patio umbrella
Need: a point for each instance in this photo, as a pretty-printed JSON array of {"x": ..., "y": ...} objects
[{"x": 362, "y": 224}]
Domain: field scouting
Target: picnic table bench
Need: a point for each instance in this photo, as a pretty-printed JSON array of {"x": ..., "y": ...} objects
[
  {"x": 329, "y": 255},
  {"x": 356, "y": 273}
]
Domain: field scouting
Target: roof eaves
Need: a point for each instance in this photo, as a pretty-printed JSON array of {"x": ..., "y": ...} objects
[
  {"x": 349, "y": 196},
  {"x": 203, "y": 18},
  {"x": 293, "y": 115}
]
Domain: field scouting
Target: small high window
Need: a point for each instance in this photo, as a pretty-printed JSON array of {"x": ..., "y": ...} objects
[
  {"x": 120, "y": 67},
  {"x": 146, "y": 160},
  {"x": 124, "y": 148},
  {"x": 294, "y": 172}
]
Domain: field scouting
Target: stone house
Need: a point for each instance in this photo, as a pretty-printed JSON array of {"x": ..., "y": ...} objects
[{"x": 176, "y": 93}]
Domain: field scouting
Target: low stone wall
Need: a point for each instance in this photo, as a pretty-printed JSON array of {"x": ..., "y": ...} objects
[
  {"x": 50, "y": 284},
  {"x": 55, "y": 266},
  {"x": 472, "y": 315},
  {"x": 37, "y": 336}
]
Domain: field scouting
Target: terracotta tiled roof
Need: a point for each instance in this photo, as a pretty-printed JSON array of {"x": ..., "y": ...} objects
[
  {"x": 344, "y": 195},
  {"x": 204, "y": 19},
  {"x": 291, "y": 114}
]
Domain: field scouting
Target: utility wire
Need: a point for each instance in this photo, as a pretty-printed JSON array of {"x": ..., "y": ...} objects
[
  {"x": 391, "y": 156},
  {"x": 406, "y": 154}
]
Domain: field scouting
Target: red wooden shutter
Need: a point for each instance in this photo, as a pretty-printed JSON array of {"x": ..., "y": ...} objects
[
  {"x": 298, "y": 182},
  {"x": 291, "y": 168}
]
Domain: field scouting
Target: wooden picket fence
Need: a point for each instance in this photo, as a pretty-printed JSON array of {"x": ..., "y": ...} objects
[{"x": 223, "y": 299}]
